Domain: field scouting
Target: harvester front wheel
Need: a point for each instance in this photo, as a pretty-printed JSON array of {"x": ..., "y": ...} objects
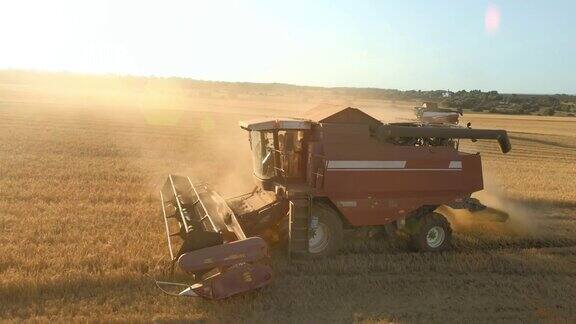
[
  {"x": 325, "y": 233},
  {"x": 432, "y": 233}
]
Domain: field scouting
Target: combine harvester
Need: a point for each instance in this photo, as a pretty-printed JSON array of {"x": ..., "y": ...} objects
[{"x": 316, "y": 177}]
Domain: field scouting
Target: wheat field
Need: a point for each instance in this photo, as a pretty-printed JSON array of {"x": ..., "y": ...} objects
[{"x": 81, "y": 231}]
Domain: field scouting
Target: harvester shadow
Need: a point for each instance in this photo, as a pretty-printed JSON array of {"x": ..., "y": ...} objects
[
  {"x": 310, "y": 291},
  {"x": 13, "y": 296},
  {"x": 350, "y": 288}
]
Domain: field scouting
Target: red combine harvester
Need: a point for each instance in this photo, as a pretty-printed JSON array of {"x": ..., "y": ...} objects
[{"x": 318, "y": 176}]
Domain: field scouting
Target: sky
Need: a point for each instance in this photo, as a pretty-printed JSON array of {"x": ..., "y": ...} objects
[{"x": 519, "y": 46}]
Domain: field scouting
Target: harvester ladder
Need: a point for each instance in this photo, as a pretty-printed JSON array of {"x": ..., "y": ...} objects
[{"x": 299, "y": 222}]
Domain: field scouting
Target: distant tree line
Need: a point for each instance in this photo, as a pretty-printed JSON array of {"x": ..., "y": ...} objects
[
  {"x": 480, "y": 101},
  {"x": 474, "y": 100},
  {"x": 522, "y": 104}
]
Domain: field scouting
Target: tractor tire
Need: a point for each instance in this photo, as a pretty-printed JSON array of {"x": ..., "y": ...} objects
[
  {"x": 432, "y": 233},
  {"x": 326, "y": 239}
]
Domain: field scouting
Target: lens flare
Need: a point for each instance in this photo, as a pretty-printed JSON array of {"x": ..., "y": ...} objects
[{"x": 492, "y": 19}]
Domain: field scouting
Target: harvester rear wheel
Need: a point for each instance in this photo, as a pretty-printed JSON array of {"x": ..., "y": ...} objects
[{"x": 432, "y": 233}]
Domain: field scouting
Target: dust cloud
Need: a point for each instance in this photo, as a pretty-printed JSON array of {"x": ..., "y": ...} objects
[
  {"x": 233, "y": 162},
  {"x": 522, "y": 219}
]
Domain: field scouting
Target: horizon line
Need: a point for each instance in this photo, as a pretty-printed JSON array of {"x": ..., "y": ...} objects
[{"x": 303, "y": 85}]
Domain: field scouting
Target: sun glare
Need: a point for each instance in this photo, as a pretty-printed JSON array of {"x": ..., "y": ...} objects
[
  {"x": 131, "y": 37},
  {"x": 492, "y": 19}
]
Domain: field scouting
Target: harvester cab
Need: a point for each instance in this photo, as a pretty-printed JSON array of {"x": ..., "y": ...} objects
[
  {"x": 317, "y": 176},
  {"x": 278, "y": 148}
]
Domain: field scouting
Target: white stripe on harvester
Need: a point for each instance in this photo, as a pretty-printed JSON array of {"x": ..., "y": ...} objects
[
  {"x": 385, "y": 166},
  {"x": 366, "y": 164},
  {"x": 394, "y": 170}
]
